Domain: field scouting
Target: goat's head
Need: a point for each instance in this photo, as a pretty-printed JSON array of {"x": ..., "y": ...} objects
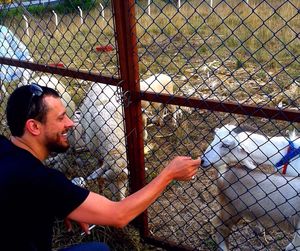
[{"x": 224, "y": 149}]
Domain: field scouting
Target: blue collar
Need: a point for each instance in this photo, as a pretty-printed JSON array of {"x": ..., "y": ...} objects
[{"x": 292, "y": 152}]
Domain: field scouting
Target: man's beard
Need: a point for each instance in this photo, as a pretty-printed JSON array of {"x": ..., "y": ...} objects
[{"x": 53, "y": 146}]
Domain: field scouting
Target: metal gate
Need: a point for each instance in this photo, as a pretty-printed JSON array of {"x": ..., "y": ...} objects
[{"x": 230, "y": 62}]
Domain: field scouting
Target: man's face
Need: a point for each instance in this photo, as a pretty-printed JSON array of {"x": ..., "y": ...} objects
[{"x": 57, "y": 126}]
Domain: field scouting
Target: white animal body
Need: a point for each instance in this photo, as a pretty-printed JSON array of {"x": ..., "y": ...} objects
[
  {"x": 104, "y": 136},
  {"x": 12, "y": 47},
  {"x": 233, "y": 144},
  {"x": 79, "y": 181},
  {"x": 272, "y": 200},
  {"x": 159, "y": 83},
  {"x": 102, "y": 125}
]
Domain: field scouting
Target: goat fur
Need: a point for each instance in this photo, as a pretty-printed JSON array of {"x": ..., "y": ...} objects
[
  {"x": 159, "y": 83},
  {"x": 271, "y": 200},
  {"x": 233, "y": 144},
  {"x": 103, "y": 127}
]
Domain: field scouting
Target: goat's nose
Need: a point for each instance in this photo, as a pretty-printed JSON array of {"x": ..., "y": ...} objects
[{"x": 202, "y": 161}]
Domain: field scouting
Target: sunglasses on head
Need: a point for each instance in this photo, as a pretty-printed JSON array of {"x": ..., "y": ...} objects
[{"x": 36, "y": 91}]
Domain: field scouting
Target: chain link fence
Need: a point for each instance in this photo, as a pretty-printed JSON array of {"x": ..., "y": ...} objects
[{"x": 202, "y": 65}]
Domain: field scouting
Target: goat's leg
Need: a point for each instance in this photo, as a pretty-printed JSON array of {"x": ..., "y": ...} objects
[
  {"x": 295, "y": 244},
  {"x": 145, "y": 120},
  {"x": 222, "y": 233},
  {"x": 114, "y": 191},
  {"x": 99, "y": 172},
  {"x": 169, "y": 109},
  {"x": 175, "y": 113},
  {"x": 118, "y": 188},
  {"x": 117, "y": 177},
  {"x": 223, "y": 222},
  {"x": 159, "y": 111}
]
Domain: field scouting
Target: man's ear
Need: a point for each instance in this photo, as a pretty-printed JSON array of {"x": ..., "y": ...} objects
[{"x": 33, "y": 126}]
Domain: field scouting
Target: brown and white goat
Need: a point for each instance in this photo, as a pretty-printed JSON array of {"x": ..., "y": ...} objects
[{"x": 158, "y": 83}]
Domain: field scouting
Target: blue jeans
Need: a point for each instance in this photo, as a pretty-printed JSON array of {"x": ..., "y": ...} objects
[{"x": 88, "y": 246}]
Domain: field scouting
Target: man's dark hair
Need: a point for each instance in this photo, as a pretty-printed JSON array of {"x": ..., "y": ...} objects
[{"x": 23, "y": 104}]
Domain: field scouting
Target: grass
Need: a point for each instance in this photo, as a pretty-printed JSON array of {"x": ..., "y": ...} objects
[
  {"x": 259, "y": 33},
  {"x": 259, "y": 30}
]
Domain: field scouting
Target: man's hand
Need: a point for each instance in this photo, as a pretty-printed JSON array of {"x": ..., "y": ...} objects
[
  {"x": 183, "y": 168},
  {"x": 84, "y": 226}
]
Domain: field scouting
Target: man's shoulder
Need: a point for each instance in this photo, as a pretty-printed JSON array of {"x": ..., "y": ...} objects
[
  {"x": 3, "y": 138},
  {"x": 5, "y": 146},
  {"x": 13, "y": 157}
]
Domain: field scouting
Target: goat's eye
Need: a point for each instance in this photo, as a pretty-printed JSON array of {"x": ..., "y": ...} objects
[{"x": 225, "y": 145}]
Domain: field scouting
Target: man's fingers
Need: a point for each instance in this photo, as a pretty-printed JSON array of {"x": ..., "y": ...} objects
[
  {"x": 88, "y": 230},
  {"x": 68, "y": 225},
  {"x": 85, "y": 227}
]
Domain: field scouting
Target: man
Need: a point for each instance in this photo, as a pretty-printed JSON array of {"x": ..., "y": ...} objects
[{"x": 32, "y": 196}]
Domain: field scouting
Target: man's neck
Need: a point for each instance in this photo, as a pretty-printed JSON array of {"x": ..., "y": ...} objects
[{"x": 24, "y": 144}]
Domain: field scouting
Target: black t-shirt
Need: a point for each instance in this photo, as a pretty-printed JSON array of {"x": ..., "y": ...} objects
[{"x": 32, "y": 196}]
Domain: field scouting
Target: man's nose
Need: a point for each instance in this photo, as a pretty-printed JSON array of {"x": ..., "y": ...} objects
[{"x": 70, "y": 122}]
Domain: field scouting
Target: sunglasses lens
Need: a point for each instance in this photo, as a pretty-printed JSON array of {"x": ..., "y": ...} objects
[{"x": 36, "y": 90}]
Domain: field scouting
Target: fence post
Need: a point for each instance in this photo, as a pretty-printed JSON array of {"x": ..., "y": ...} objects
[
  {"x": 125, "y": 21},
  {"x": 149, "y": 7},
  {"x": 26, "y": 25},
  {"x": 55, "y": 18},
  {"x": 80, "y": 13},
  {"x": 102, "y": 11}
]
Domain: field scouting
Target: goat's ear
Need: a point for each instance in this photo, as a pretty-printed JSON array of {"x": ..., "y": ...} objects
[
  {"x": 248, "y": 163},
  {"x": 245, "y": 143},
  {"x": 229, "y": 142},
  {"x": 241, "y": 148}
]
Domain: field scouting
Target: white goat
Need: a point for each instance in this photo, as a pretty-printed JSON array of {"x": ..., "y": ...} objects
[
  {"x": 159, "y": 83},
  {"x": 273, "y": 200},
  {"x": 12, "y": 47},
  {"x": 103, "y": 134},
  {"x": 233, "y": 144},
  {"x": 103, "y": 129}
]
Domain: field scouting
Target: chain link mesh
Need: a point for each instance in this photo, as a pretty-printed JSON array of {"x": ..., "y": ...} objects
[{"x": 240, "y": 52}]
